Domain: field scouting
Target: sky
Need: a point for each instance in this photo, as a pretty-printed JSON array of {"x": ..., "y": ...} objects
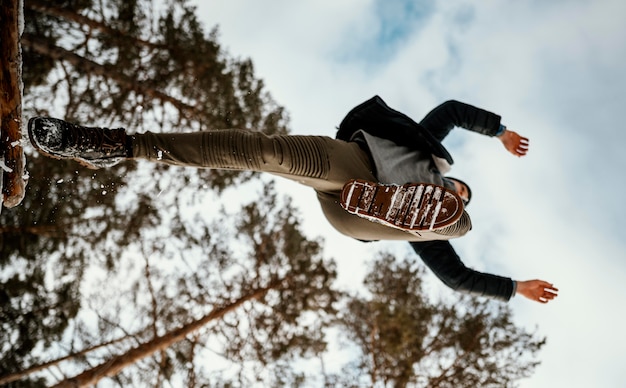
[{"x": 554, "y": 70}]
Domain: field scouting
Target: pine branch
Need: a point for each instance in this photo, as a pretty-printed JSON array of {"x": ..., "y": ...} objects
[
  {"x": 116, "y": 364},
  {"x": 91, "y": 67},
  {"x": 49, "y": 8}
]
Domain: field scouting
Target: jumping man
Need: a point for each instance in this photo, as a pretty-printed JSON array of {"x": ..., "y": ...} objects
[{"x": 382, "y": 178}]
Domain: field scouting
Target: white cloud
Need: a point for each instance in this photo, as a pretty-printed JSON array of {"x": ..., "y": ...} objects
[{"x": 554, "y": 70}]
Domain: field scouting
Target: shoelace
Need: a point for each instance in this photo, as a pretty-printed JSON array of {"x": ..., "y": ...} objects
[{"x": 82, "y": 139}]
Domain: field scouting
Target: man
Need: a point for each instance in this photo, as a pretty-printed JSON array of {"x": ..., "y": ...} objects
[{"x": 381, "y": 179}]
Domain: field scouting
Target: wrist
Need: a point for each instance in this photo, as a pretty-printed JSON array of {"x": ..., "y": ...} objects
[{"x": 501, "y": 130}]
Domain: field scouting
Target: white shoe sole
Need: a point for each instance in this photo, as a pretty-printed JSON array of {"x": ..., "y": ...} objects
[{"x": 410, "y": 207}]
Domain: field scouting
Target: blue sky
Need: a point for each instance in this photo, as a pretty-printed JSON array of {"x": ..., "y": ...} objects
[
  {"x": 396, "y": 20},
  {"x": 553, "y": 70}
]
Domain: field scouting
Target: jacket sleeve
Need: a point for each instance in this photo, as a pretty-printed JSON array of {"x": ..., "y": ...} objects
[
  {"x": 441, "y": 258},
  {"x": 450, "y": 114}
]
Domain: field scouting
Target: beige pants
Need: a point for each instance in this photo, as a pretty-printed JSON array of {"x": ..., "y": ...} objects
[{"x": 320, "y": 162}]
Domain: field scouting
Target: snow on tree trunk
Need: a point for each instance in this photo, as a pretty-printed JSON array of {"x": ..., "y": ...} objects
[{"x": 12, "y": 160}]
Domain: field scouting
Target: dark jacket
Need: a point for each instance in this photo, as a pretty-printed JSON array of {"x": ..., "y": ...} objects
[{"x": 374, "y": 116}]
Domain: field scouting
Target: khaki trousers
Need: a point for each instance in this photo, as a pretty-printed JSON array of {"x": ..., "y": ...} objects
[{"x": 320, "y": 162}]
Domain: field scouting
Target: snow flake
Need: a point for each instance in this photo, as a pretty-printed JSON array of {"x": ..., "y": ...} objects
[{"x": 4, "y": 167}]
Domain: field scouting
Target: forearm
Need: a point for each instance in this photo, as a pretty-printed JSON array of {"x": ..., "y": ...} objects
[
  {"x": 441, "y": 258},
  {"x": 454, "y": 113}
]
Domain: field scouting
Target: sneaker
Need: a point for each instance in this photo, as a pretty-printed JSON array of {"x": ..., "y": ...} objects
[
  {"x": 93, "y": 147},
  {"x": 410, "y": 207}
]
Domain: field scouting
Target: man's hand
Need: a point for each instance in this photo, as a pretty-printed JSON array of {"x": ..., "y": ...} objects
[
  {"x": 537, "y": 290},
  {"x": 514, "y": 143}
]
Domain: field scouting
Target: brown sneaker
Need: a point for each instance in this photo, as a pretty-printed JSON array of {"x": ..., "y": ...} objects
[{"x": 410, "y": 207}]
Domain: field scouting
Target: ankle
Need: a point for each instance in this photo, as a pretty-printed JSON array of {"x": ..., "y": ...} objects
[{"x": 129, "y": 145}]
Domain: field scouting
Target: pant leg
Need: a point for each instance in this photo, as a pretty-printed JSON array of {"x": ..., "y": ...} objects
[{"x": 317, "y": 161}]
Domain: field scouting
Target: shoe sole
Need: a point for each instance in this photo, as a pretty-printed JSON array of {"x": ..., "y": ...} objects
[
  {"x": 33, "y": 141},
  {"x": 410, "y": 207}
]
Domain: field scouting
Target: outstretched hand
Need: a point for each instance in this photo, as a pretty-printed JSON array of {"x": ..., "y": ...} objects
[
  {"x": 537, "y": 290},
  {"x": 514, "y": 143}
]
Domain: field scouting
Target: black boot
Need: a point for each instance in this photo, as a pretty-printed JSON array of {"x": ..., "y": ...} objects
[{"x": 92, "y": 147}]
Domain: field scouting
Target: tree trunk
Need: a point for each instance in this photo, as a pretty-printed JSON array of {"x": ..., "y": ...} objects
[
  {"x": 51, "y": 230},
  {"x": 116, "y": 364},
  {"x": 13, "y": 182},
  {"x": 20, "y": 375}
]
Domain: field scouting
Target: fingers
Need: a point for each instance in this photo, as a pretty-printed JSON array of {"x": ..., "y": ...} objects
[
  {"x": 515, "y": 144},
  {"x": 546, "y": 296},
  {"x": 537, "y": 290},
  {"x": 545, "y": 291},
  {"x": 519, "y": 145},
  {"x": 522, "y": 146}
]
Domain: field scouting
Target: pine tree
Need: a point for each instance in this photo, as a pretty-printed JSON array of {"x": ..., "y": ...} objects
[
  {"x": 101, "y": 63},
  {"x": 263, "y": 300},
  {"x": 407, "y": 339}
]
